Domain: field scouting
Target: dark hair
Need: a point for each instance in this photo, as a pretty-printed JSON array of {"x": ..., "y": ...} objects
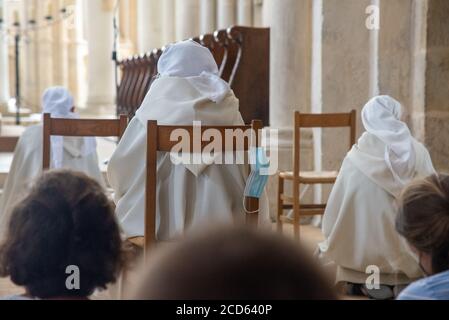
[
  {"x": 237, "y": 264},
  {"x": 65, "y": 220},
  {"x": 423, "y": 219}
]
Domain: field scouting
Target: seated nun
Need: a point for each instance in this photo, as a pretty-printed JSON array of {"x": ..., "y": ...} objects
[
  {"x": 78, "y": 154},
  {"x": 188, "y": 89},
  {"x": 359, "y": 222}
]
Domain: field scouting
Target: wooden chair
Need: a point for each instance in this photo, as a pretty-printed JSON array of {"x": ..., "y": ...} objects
[
  {"x": 8, "y": 144},
  {"x": 158, "y": 140},
  {"x": 79, "y": 128},
  {"x": 299, "y": 177}
]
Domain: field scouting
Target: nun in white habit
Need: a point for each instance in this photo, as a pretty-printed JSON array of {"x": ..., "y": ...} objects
[
  {"x": 188, "y": 89},
  {"x": 359, "y": 219},
  {"x": 78, "y": 154}
]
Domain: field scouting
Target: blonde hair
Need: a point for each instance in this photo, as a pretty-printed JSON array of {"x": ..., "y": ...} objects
[{"x": 423, "y": 219}]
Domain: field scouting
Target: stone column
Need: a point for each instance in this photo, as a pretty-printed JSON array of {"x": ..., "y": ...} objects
[
  {"x": 226, "y": 13},
  {"x": 262, "y": 12},
  {"x": 45, "y": 50},
  {"x": 245, "y": 13},
  {"x": 129, "y": 33},
  {"x": 60, "y": 46},
  {"x": 100, "y": 36},
  {"x": 395, "y": 55},
  {"x": 77, "y": 50},
  {"x": 208, "y": 13},
  {"x": 290, "y": 81},
  {"x": 30, "y": 61},
  {"x": 4, "y": 61},
  {"x": 436, "y": 93},
  {"x": 149, "y": 25},
  {"x": 169, "y": 20},
  {"x": 187, "y": 19},
  {"x": 346, "y": 70}
]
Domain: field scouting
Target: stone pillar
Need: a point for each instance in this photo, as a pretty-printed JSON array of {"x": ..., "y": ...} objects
[
  {"x": 169, "y": 20},
  {"x": 226, "y": 13},
  {"x": 346, "y": 70},
  {"x": 129, "y": 33},
  {"x": 436, "y": 93},
  {"x": 60, "y": 47},
  {"x": 208, "y": 13},
  {"x": 245, "y": 13},
  {"x": 100, "y": 36},
  {"x": 395, "y": 55},
  {"x": 149, "y": 25},
  {"x": 290, "y": 61},
  {"x": 4, "y": 61},
  {"x": 187, "y": 19},
  {"x": 263, "y": 12},
  {"x": 30, "y": 59},
  {"x": 290, "y": 81},
  {"x": 77, "y": 50},
  {"x": 44, "y": 50}
]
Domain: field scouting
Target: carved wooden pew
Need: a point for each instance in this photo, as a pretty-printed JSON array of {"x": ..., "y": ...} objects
[{"x": 243, "y": 55}]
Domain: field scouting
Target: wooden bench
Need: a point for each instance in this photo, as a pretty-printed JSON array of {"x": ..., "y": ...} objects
[
  {"x": 8, "y": 144},
  {"x": 243, "y": 56}
]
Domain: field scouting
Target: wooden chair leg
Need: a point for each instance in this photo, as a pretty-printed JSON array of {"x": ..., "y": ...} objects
[
  {"x": 280, "y": 205},
  {"x": 296, "y": 211}
]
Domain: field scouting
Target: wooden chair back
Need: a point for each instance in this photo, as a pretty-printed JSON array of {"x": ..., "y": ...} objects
[
  {"x": 336, "y": 120},
  {"x": 159, "y": 140},
  {"x": 79, "y": 128}
]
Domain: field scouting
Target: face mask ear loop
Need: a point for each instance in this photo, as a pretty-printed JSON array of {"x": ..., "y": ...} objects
[{"x": 246, "y": 210}]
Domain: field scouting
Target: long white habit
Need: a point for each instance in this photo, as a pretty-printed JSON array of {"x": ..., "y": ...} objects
[
  {"x": 188, "y": 196},
  {"x": 359, "y": 222},
  {"x": 69, "y": 153}
]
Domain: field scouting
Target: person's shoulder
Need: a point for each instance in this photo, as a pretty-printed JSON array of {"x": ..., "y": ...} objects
[
  {"x": 415, "y": 291},
  {"x": 432, "y": 288}
]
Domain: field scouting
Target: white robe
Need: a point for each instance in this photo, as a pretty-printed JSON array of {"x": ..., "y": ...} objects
[
  {"x": 187, "y": 196},
  {"x": 27, "y": 166},
  {"x": 359, "y": 222}
]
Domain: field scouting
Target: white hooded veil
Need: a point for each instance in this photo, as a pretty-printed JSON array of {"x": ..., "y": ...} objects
[{"x": 382, "y": 118}]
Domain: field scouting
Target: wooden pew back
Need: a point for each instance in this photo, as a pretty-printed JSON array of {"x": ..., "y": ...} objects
[{"x": 243, "y": 57}]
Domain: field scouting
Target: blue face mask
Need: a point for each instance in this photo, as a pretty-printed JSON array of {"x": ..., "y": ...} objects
[{"x": 258, "y": 178}]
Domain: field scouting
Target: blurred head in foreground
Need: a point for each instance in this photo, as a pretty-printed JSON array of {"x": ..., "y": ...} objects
[
  {"x": 65, "y": 221},
  {"x": 240, "y": 264}
]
